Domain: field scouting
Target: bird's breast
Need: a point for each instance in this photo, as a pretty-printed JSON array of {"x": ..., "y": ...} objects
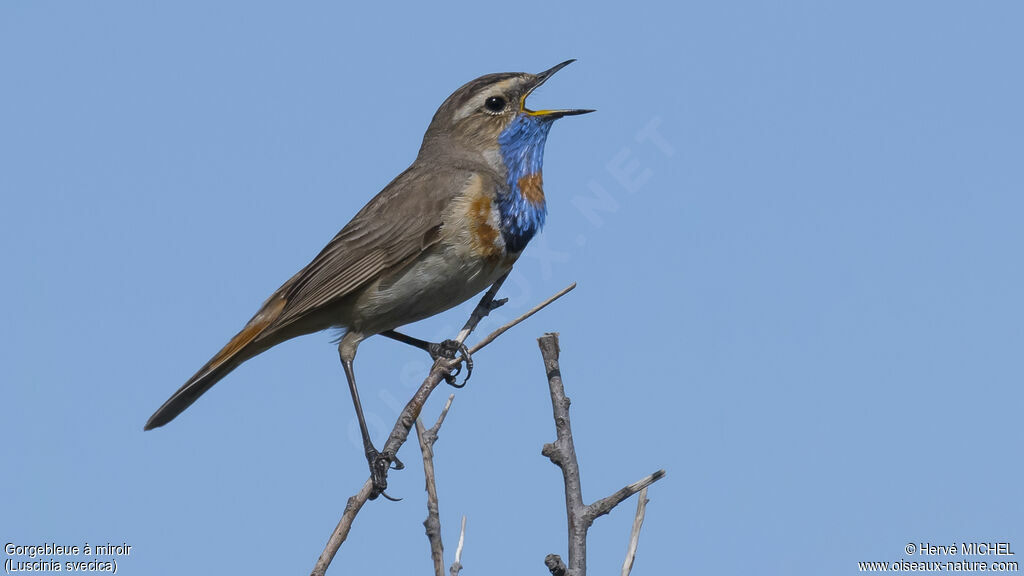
[
  {"x": 472, "y": 228},
  {"x": 468, "y": 256},
  {"x": 484, "y": 228}
]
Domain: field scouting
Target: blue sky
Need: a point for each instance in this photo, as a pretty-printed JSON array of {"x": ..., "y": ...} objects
[{"x": 795, "y": 229}]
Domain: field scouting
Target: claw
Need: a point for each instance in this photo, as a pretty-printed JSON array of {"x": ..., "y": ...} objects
[
  {"x": 451, "y": 378},
  {"x": 388, "y": 497},
  {"x": 379, "y": 466},
  {"x": 449, "y": 350},
  {"x": 446, "y": 349}
]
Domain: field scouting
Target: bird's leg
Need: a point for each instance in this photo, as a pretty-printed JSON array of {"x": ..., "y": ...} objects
[
  {"x": 447, "y": 349},
  {"x": 379, "y": 463}
]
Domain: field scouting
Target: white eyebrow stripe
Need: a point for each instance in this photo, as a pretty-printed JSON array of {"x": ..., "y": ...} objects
[{"x": 475, "y": 102}]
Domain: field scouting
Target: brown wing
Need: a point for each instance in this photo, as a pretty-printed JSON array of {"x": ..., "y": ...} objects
[{"x": 394, "y": 227}]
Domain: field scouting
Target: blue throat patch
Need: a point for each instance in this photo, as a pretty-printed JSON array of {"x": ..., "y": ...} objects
[{"x": 522, "y": 208}]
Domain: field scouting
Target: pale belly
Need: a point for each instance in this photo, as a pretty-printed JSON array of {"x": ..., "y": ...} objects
[{"x": 439, "y": 279}]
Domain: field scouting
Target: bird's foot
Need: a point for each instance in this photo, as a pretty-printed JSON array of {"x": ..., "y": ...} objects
[
  {"x": 379, "y": 466},
  {"x": 448, "y": 349}
]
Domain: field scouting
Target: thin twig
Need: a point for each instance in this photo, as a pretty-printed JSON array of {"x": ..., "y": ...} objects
[
  {"x": 483, "y": 308},
  {"x": 341, "y": 531},
  {"x": 457, "y": 565},
  {"x": 433, "y": 522},
  {"x": 634, "y": 536},
  {"x": 562, "y": 453},
  {"x": 407, "y": 418},
  {"x": 440, "y": 419},
  {"x": 605, "y": 505},
  {"x": 491, "y": 337}
]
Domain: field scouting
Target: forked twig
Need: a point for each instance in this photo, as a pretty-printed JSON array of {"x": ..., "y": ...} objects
[
  {"x": 433, "y": 522},
  {"x": 562, "y": 453}
]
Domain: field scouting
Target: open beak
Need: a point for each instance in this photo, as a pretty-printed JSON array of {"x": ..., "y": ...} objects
[{"x": 540, "y": 79}]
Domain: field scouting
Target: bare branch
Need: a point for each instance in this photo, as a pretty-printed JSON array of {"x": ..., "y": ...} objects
[
  {"x": 491, "y": 337},
  {"x": 634, "y": 536},
  {"x": 440, "y": 419},
  {"x": 562, "y": 453},
  {"x": 341, "y": 531},
  {"x": 404, "y": 423},
  {"x": 433, "y": 521},
  {"x": 457, "y": 565},
  {"x": 605, "y": 505}
]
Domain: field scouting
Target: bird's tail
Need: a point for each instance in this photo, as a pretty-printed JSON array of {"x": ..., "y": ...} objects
[{"x": 238, "y": 350}]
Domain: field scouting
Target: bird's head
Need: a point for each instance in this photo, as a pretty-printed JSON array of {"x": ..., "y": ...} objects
[{"x": 489, "y": 116}]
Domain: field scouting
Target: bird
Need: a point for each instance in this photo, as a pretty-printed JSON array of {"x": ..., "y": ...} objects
[{"x": 442, "y": 231}]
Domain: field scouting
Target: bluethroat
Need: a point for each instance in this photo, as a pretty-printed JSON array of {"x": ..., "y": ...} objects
[{"x": 442, "y": 231}]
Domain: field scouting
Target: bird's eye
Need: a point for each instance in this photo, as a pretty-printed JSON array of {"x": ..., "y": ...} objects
[{"x": 495, "y": 103}]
